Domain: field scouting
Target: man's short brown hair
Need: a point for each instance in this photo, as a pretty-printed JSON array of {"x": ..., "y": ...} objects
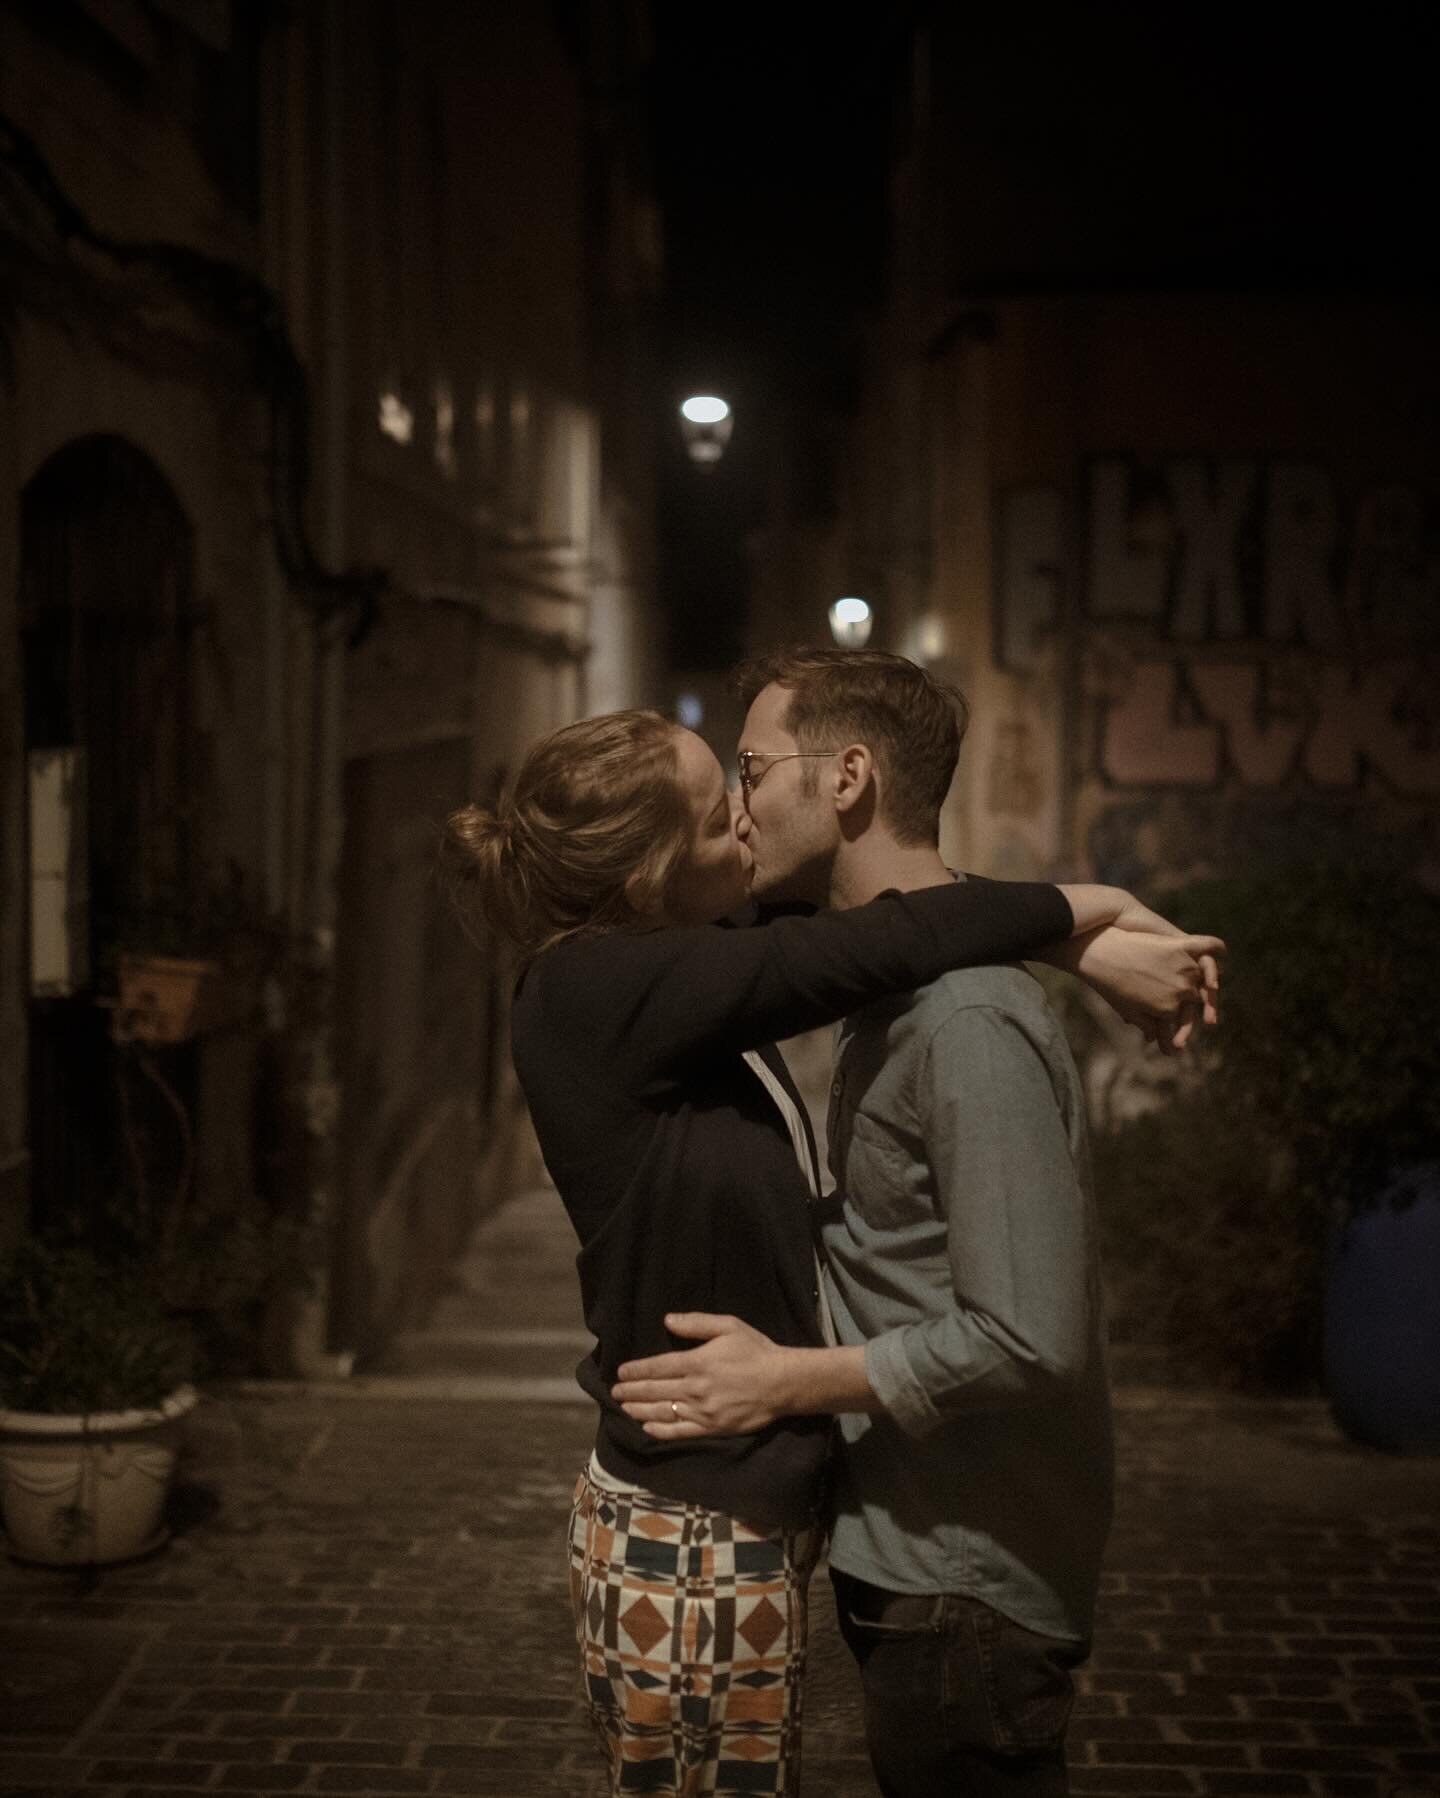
[{"x": 911, "y": 723}]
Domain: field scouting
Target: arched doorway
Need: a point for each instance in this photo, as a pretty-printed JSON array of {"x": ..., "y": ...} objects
[{"x": 106, "y": 575}]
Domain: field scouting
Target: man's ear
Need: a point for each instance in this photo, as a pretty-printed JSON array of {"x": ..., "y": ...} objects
[{"x": 854, "y": 776}]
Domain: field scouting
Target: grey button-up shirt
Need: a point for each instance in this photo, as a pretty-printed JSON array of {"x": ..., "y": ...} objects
[{"x": 960, "y": 1249}]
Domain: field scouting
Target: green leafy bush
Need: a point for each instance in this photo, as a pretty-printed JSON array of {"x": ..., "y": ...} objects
[
  {"x": 1212, "y": 1254},
  {"x": 1324, "y": 1078},
  {"x": 80, "y": 1335},
  {"x": 1332, "y": 997}
]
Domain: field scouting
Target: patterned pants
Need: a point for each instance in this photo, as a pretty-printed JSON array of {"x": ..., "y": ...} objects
[{"x": 691, "y": 1628}]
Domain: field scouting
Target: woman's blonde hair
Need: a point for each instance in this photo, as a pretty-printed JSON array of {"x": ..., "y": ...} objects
[{"x": 586, "y": 839}]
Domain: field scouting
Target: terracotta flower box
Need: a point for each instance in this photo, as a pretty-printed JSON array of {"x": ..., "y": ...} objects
[{"x": 171, "y": 999}]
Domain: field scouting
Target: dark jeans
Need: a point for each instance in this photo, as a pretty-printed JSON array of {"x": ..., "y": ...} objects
[{"x": 958, "y": 1699}]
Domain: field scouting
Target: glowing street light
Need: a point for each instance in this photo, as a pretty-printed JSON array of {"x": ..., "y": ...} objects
[
  {"x": 706, "y": 422},
  {"x": 850, "y": 621},
  {"x": 705, "y": 409}
]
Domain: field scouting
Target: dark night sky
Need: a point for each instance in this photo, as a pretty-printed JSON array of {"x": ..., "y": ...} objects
[
  {"x": 1255, "y": 143},
  {"x": 772, "y": 132},
  {"x": 772, "y": 129}
]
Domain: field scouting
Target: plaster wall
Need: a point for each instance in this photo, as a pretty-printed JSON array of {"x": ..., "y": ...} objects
[
  {"x": 90, "y": 350},
  {"x": 1219, "y": 569},
  {"x": 1182, "y": 555},
  {"x": 423, "y": 202}
]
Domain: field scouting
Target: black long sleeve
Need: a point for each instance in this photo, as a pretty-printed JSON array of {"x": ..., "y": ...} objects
[{"x": 652, "y": 1001}]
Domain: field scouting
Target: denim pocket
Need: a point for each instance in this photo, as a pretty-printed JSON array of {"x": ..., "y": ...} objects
[
  {"x": 882, "y": 1616},
  {"x": 869, "y": 1629},
  {"x": 1026, "y": 1680}
]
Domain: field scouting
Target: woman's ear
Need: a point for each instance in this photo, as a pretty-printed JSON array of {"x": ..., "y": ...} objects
[
  {"x": 854, "y": 773},
  {"x": 640, "y": 894}
]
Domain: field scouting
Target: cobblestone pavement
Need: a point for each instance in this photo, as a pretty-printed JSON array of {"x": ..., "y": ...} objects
[{"x": 366, "y": 1594}]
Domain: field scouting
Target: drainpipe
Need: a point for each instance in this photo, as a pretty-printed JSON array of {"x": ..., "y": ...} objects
[{"x": 319, "y": 746}]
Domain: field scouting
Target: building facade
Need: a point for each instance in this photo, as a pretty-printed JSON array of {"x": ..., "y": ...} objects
[
  {"x": 326, "y": 436},
  {"x": 1146, "y": 464}
]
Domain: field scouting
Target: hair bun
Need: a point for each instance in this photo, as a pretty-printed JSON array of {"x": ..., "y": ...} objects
[
  {"x": 594, "y": 816},
  {"x": 473, "y": 837}
]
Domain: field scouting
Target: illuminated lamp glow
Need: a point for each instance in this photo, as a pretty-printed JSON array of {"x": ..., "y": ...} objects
[
  {"x": 395, "y": 418},
  {"x": 850, "y": 621},
  {"x": 705, "y": 409}
]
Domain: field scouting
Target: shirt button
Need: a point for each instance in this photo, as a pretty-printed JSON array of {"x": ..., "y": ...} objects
[{"x": 835, "y": 1088}]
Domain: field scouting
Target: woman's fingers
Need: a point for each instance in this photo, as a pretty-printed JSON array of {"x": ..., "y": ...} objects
[
  {"x": 1210, "y": 969},
  {"x": 1205, "y": 978}
]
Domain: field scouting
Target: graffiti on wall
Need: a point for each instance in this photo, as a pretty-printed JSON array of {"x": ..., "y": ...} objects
[{"x": 1238, "y": 622}]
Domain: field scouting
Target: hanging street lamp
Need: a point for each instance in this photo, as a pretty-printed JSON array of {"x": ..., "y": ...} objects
[
  {"x": 850, "y": 621},
  {"x": 706, "y": 422}
]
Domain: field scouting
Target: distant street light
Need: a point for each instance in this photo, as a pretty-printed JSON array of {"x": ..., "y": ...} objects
[
  {"x": 706, "y": 422},
  {"x": 850, "y": 621}
]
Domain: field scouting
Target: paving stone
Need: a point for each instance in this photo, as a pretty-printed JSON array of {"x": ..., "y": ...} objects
[
  {"x": 1167, "y": 1754},
  {"x": 1115, "y": 1729},
  {"x": 1254, "y": 1785},
  {"x": 255, "y": 1748},
  {"x": 373, "y": 1780},
  {"x": 325, "y": 1752},
  {"x": 262, "y": 1779},
  {"x": 167, "y": 1773}
]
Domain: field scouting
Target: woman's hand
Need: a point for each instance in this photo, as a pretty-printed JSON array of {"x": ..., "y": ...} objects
[{"x": 1162, "y": 981}]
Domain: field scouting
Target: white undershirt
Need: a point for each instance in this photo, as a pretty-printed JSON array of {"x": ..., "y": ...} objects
[{"x": 804, "y": 1154}]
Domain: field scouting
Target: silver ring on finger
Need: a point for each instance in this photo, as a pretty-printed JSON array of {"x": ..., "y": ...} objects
[{"x": 675, "y": 1412}]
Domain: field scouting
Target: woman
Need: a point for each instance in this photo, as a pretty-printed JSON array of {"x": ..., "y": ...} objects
[{"x": 640, "y": 1038}]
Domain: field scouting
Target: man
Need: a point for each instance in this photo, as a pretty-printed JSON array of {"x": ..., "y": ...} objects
[{"x": 974, "y": 1480}]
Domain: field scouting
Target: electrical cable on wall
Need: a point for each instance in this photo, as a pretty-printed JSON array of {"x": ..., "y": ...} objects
[{"x": 235, "y": 299}]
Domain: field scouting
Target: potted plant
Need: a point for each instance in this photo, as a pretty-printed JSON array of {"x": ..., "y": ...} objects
[
  {"x": 93, "y": 1385},
  {"x": 1295, "y": 1180},
  {"x": 189, "y": 960}
]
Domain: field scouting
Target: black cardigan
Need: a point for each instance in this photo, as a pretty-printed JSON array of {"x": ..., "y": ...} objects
[{"x": 675, "y": 1164}]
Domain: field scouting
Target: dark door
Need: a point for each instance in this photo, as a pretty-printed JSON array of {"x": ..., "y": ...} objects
[{"x": 105, "y": 584}]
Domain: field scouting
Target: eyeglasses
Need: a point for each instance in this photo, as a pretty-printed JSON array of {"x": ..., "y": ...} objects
[{"x": 747, "y": 759}]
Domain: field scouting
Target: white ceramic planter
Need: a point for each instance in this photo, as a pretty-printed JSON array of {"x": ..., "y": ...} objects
[{"x": 81, "y": 1491}]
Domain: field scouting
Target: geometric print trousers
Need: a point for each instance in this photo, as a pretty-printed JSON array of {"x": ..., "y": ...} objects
[{"x": 691, "y": 1628}]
